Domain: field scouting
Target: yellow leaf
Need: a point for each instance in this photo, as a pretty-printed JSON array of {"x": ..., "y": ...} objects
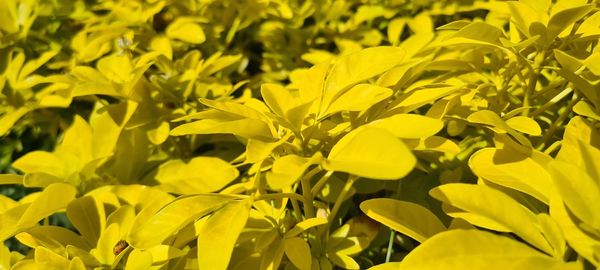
[
  {"x": 9, "y": 119},
  {"x": 116, "y": 68},
  {"x": 409, "y": 126},
  {"x": 53, "y": 198},
  {"x": 159, "y": 133},
  {"x": 387, "y": 266},
  {"x": 433, "y": 143},
  {"x": 163, "y": 45},
  {"x": 359, "y": 98},
  {"x": 287, "y": 170},
  {"x": 104, "y": 250},
  {"x": 408, "y": 218},
  {"x": 77, "y": 140},
  {"x": 298, "y": 251},
  {"x": 357, "y": 67},
  {"x": 248, "y": 128},
  {"x": 10, "y": 179},
  {"x": 217, "y": 237},
  {"x": 88, "y": 217},
  {"x": 491, "y": 209},
  {"x": 139, "y": 260},
  {"x": 371, "y": 153},
  {"x": 186, "y": 30},
  {"x": 305, "y": 225},
  {"x": 344, "y": 261},
  {"x": 50, "y": 260},
  {"x": 525, "y": 125},
  {"x": 509, "y": 168},
  {"x": 52, "y": 237},
  {"x": 579, "y": 191},
  {"x": 163, "y": 253},
  {"x": 173, "y": 217},
  {"x": 76, "y": 264},
  {"x": 478, "y": 250},
  {"x": 198, "y": 175}
]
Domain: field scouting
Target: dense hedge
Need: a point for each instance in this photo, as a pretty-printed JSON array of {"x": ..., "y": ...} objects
[{"x": 289, "y": 134}]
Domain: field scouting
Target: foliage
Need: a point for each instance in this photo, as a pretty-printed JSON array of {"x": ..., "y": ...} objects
[{"x": 284, "y": 134}]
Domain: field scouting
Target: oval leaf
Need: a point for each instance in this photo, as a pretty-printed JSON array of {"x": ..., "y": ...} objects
[
  {"x": 371, "y": 153},
  {"x": 198, "y": 175},
  {"x": 409, "y": 126},
  {"x": 489, "y": 208},
  {"x": 478, "y": 250},
  {"x": 217, "y": 236},
  {"x": 173, "y": 217},
  {"x": 408, "y": 218}
]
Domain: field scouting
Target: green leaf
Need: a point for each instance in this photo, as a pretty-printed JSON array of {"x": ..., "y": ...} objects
[
  {"x": 409, "y": 126},
  {"x": 198, "y": 175},
  {"x": 491, "y": 209},
  {"x": 218, "y": 235},
  {"x": 298, "y": 251},
  {"x": 172, "y": 217},
  {"x": 408, "y": 218},
  {"x": 371, "y": 153},
  {"x": 474, "y": 249}
]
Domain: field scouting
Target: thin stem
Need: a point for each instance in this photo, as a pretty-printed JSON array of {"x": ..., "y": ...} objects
[
  {"x": 317, "y": 187},
  {"x": 388, "y": 254},
  {"x": 309, "y": 208},
  {"x": 340, "y": 198},
  {"x": 274, "y": 196},
  {"x": 557, "y": 123}
]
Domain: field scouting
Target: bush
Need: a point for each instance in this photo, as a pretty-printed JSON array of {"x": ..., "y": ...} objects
[{"x": 300, "y": 134}]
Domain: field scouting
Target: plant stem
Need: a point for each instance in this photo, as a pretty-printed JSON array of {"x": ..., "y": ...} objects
[
  {"x": 309, "y": 208},
  {"x": 388, "y": 254},
  {"x": 557, "y": 123},
  {"x": 340, "y": 198},
  {"x": 274, "y": 196},
  {"x": 317, "y": 187}
]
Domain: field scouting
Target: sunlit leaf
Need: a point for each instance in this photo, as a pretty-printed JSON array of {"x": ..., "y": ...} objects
[
  {"x": 372, "y": 153},
  {"x": 489, "y": 208},
  {"x": 405, "y": 217},
  {"x": 173, "y": 217},
  {"x": 474, "y": 249},
  {"x": 198, "y": 175}
]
